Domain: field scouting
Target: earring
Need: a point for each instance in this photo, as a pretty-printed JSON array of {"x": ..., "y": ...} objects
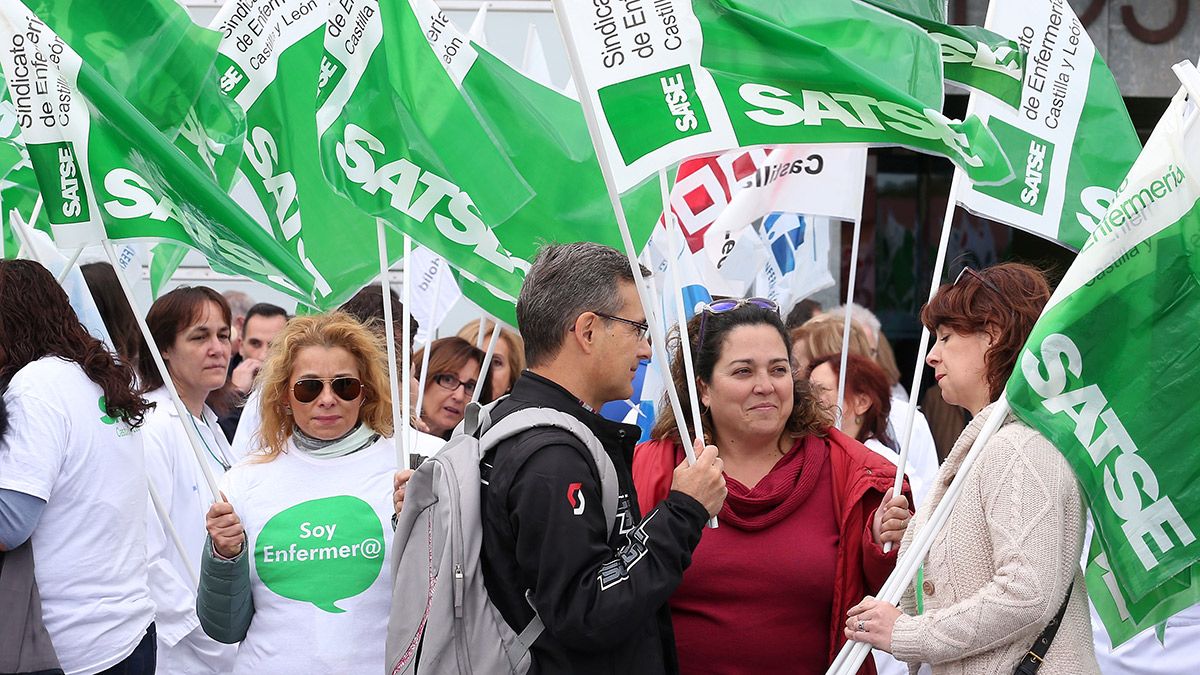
[
  {"x": 858, "y": 419},
  {"x": 287, "y": 410}
]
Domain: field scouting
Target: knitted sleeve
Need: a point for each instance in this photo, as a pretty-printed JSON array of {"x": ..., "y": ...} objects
[{"x": 1033, "y": 519}]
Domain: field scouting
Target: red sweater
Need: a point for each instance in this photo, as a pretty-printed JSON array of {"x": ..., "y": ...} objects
[{"x": 856, "y": 479}]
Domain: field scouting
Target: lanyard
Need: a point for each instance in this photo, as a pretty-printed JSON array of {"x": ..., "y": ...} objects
[{"x": 225, "y": 466}]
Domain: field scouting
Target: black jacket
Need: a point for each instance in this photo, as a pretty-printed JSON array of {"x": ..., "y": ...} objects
[{"x": 602, "y": 599}]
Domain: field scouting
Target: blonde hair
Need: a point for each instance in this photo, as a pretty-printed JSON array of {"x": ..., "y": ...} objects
[
  {"x": 516, "y": 347},
  {"x": 335, "y": 329},
  {"x": 822, "y": 336}
]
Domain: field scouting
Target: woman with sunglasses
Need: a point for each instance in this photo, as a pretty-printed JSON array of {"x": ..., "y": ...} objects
[
  {"x": 191, "y": 327},
  {"x": 808, "y": 510},
  {"x": 453, "y": 376},
  {"x": 295, "y": 565},
  {"x": 1007, "y": 561}
]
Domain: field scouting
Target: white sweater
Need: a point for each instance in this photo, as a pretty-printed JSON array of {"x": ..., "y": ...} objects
[{"x": 999, "y": 570}]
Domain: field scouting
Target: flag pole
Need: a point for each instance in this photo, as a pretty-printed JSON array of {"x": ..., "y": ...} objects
[
  {"x": 389, "y": 331},
  {"x": 614, "y": 196},
  {"x": 923, "y": 343},
  {"x": 424, "y": 377},
  {"x": 406, "y": 348},
  {"x": 845, "y": 355},
  {"x": 164, "y": 519},
  {"x": 62, "y": 276},
  {"x": 685, "y": 342},
  {"x": 853, "y": 653},
  {"x": 479, "y": 334},
  {"x": 487, "y": 360},
  {"x": 23, "y": 238},
  {"x": 159, "y": 363}
]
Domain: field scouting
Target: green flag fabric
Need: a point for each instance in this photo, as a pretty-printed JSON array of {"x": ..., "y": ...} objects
[
  {"x": 272, "y": 56},
  {"x": 1109, "y": 376},
  {"x": 405, "y": 93},
  {"x": 707, "y": 75},
  {"x": 104, "y": 170},
  {"x": 973, "y": 57},
  {"x": 1071, "y": 140}
]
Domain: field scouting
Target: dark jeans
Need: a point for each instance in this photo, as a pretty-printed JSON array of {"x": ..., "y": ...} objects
[{"x": 141, "y": 661}]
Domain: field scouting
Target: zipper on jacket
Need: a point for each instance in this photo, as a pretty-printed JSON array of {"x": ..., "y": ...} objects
[{"x": 459, "y": 582}]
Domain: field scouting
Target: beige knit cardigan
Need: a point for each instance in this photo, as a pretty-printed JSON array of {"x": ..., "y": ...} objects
[{"x": 998, "y": 572}]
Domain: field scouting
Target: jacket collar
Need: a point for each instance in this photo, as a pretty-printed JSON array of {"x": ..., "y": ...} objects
[{"x": 532, "y": 389}]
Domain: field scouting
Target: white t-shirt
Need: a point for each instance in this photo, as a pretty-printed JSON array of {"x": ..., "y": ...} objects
[
  {"x": 320, "y": 533},
  {"x": 922, "y": 456},
  {"x": 89, "y": 547},
  {"x": 171, "y": 466}
]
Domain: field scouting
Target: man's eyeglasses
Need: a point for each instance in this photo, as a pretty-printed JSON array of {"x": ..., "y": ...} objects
[
  {"x": 643, "y": 329},
  {"x": 728, "y": 305},
  {"x": 450, "y": 382},
  {"x": 345, "y": 388}
]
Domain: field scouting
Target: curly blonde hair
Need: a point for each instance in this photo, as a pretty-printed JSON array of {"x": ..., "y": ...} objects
[{"x": 335, "y": 329}]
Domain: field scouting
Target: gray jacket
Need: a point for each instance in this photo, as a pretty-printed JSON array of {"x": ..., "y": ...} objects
[{"x": 223, "y": 601}]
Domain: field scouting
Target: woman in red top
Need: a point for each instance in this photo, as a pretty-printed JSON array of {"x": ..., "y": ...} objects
[{"x": 801, "y": 532}]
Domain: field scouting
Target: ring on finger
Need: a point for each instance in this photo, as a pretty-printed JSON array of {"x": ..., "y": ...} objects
[{"x": 862, "y": 626}]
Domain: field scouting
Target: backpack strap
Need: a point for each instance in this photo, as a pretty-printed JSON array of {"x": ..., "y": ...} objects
[{"x": 532, "y": 418}]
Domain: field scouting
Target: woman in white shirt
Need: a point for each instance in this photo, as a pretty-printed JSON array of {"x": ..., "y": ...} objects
[
  {"x": 296, "y": 565},
  {"x": 191, "y": 326},
  {"x": 72, "y": 477}
]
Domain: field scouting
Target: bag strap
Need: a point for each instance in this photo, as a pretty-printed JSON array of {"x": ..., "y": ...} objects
[
  {"x": 533, "y": 418},
  {"x": 1037, "y": 653}
]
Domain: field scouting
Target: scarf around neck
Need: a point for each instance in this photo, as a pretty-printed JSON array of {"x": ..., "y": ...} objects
[
  {"x": 781, "y": 491},
  {"x": 361, "y": 436}
]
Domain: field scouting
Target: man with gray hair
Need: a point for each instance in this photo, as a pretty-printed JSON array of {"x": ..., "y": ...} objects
[{"x": 546, "y": 544}]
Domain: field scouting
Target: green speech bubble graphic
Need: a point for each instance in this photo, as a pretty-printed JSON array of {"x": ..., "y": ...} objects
[{"x": 321, "y": 551}]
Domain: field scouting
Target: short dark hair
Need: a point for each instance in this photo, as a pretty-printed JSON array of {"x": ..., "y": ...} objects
[
  {"x": 367, "y": 307},
  {"x": 565, "y": 281},
  {"x": 1008, "y": 298},
  {"x": 264, "y": 309},
  {"x": 168, "y": 316},
  {"x": 803, "y": 311}
]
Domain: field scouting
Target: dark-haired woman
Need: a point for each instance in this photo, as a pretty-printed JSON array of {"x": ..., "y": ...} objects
[
  {"x": 453, "y": 375},
  {"x": 1007, "y": 560},
  {"x": 808, "y": 510},
  {"x": 72, "y": 472},
  {"x": 868, "y": 409},
  {"x": 191, "y": 327}
]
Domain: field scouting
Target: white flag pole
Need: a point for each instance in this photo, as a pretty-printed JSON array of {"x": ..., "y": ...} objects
[
  {"x": 62, "y": 276},
  {"x": 487, "y": 360},
  {"x": 389, "y": 331},
  {"x": 614, "y": 196},
  {"x": 479, "y": 333},
  {"x": 424, "y": 377},
  {"x": 26, "y": 242},
  {"x": 406, "y": 350},
  {"x": 164, "y": 518},
  {"x": 853, "y": 653},
  {"x": 685, "y": 342},
  {"x": 184, "y": 414},
  {"x": 923, "y": 343},
  {"x": 841, "y": 393}
]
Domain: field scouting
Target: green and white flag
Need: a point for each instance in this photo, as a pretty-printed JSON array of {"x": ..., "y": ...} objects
[
  {"x": 972, "y": 57},
  {"x": 1109, "y": 376},
  {"x": 106, "y": 172},
  {"x": 1070, "y": 142},
  {"x": 695, "y": 77},
  {"x": 474, "y": 160},
  {"x": 272, "y": 57}
]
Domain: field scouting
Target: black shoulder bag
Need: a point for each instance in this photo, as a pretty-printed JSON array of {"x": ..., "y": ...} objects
[{"x": 1037, "y": 653}]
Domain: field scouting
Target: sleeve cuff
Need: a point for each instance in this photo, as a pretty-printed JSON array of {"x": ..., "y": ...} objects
[
  {"x": 689, "y": 506},
  {"x": 906, "y": 634}
]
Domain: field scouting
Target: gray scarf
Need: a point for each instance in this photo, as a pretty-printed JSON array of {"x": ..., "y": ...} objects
[{"x": 361, "y": 436}]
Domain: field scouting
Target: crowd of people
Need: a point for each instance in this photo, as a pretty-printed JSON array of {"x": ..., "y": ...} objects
[{"x": 119, "y": 558}]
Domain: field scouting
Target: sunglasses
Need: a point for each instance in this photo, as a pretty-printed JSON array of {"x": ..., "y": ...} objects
[
  {"x": 728, "y": 305},
  {"x": 642, "y": 328},
  {"x": 966, "y": 270},
  {"x": 451, "y": 382},
  {"x": 345, "y": 388}
]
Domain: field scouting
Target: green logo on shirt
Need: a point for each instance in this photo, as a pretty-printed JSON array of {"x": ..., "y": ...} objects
[
  {"x": 321, "y": 551},
  {"x": 104, "y": 409}
]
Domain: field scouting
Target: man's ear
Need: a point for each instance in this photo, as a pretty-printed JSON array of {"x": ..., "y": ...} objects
[{"x": 584, "y": 331}]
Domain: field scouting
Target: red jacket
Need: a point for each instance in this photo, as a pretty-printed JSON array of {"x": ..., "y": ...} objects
[{"x": 860, "y": 479}]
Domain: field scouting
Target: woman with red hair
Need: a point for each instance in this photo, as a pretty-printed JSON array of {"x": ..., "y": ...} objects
[{"x": 1006, "y": 564}]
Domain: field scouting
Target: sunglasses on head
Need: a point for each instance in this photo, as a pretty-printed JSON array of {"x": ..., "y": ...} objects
[
  {"x": 728, "y": 305},
  {"x": 966, "y": 270},
  {"x": 345, "y": 388}
]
